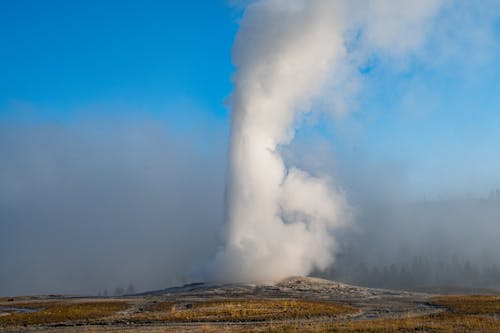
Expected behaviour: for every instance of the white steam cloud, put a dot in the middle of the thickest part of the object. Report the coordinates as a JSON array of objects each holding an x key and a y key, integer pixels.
[{"x": 290, "y": 55}]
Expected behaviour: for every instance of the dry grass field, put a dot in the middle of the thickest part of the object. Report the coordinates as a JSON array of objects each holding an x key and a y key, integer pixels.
[
  {"x": 460, "y": 314},
  {"x": 344, "y": 310},
  {"x": 241, "y": 311},
  {"x": 60, "y": 312}
]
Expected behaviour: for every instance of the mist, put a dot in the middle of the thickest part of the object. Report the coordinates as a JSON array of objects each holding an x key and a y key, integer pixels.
[
  {"x": 300, "y": 59},
  {"x": 88, "y": 207},
  {"x": 406, "y": 241},
  {"x": 289, "y": 55},
  {"x": 106, "y": 202},
  {"x": 296, "y": 182}
]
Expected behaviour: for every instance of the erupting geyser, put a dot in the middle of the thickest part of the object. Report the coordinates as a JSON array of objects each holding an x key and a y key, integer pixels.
[{"x": 281, "y": 220}]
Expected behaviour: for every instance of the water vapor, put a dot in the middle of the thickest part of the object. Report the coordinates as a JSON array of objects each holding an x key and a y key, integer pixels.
[
  {"x": 331, "y": 171},
  {"x": 281, "y": 220},
  {"x": 104, "y": 203}
]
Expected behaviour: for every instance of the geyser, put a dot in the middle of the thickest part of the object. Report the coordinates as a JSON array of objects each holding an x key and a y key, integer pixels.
[{"x": 281, "y": 221}]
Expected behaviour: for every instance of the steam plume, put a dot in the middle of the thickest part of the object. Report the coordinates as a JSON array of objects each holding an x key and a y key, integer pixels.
[{"x": 281, "y": 220}]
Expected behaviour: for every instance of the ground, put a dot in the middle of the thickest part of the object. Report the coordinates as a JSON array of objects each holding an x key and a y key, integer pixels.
[{"x": 294, "y": 305}]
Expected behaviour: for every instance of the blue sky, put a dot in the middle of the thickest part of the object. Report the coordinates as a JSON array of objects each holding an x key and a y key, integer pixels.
[
  {"x": 62, "y": 61},
  {"x": 59, "y": 56},
  {"x": 113, "y": 126}
]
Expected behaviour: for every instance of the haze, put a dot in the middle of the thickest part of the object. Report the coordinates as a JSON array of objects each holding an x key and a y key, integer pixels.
[{"x": 136, "y": 149}]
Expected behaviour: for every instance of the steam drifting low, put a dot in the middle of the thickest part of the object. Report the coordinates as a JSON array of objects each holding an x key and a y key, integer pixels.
[
  {"x": 99, "y": 190},
  {"x": 293, "y": 57}
]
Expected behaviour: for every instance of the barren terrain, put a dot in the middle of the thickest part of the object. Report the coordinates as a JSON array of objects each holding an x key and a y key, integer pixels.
[{"x": 294, "y": 305}]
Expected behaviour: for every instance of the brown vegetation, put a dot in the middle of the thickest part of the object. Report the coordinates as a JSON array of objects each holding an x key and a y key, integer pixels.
[
  {"x": 61, "y": 311},
  {"x": 458, "y": 314},
  {"x": 471, "y": 305},
  {"x": 241, "y": 310}
]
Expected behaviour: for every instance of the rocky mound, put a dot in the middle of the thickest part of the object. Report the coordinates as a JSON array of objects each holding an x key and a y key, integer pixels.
[{"x": 293, "y": 287}]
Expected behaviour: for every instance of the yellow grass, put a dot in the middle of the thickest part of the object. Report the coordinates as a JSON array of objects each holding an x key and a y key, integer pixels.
[
  {"x": 459, "y": 314},
  {"x": 241, "y": 310},
  {"x": 61, "y": 311},
  {"x": 471, "y": 304},
  {"x": 462, "y": 314}
]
